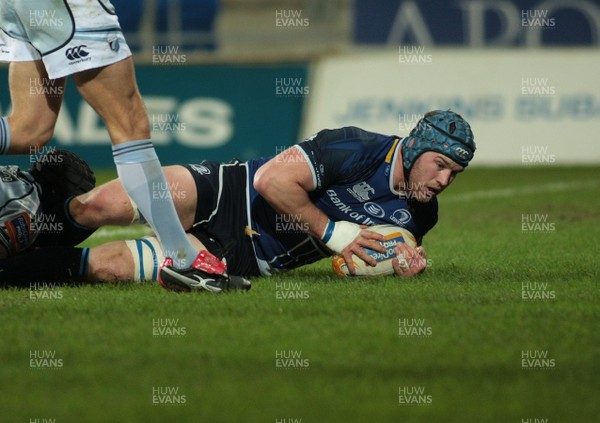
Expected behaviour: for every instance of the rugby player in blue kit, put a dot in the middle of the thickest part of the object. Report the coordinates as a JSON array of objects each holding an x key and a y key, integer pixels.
[{"x": 332, "y": 186}]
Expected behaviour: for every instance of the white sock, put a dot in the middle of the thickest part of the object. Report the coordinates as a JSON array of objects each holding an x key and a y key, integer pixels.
[{"x": 142, "y": 176}]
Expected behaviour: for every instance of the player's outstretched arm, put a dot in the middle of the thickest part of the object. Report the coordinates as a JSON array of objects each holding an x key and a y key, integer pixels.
[
  {"x": 109, "y": 204},
  {"x": 285, "y": 181}
]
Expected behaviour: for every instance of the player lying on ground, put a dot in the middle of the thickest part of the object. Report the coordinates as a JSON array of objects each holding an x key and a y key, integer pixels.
[
  {"x": 46, "y": 41},
  {"x": 327, "y": 186}
]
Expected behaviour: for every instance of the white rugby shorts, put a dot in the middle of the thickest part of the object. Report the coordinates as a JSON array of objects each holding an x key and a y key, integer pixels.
[{"x": 69, "y": 36}]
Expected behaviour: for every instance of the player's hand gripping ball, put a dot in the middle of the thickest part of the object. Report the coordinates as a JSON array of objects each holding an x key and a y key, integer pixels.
[{"x": 394, "y": 235}]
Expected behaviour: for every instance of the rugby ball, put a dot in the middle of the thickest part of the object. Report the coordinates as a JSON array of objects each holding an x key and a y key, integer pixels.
[{"x": 394, "y": 235}]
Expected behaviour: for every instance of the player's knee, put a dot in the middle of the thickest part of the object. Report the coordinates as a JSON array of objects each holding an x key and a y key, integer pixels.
[{"x": 91, "y": 213}]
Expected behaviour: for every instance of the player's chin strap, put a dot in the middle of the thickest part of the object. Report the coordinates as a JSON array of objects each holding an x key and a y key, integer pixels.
[
  {"x": 338, "y": 235},
  {"x": 405, "y": 189}
]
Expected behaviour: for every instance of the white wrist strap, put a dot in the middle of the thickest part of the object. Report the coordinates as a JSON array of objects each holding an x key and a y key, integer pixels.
[{"x": 338, "y": 235}]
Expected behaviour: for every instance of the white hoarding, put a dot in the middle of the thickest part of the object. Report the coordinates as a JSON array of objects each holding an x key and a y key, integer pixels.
[{"x": 525, "y": 106}]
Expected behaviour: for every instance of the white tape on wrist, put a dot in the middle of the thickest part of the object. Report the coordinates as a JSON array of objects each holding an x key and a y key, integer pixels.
[{"x": 338, "y": 235}]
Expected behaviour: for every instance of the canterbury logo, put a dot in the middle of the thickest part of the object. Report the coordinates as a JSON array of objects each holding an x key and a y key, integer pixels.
[
  {"x": 462, "y": 153},
  {"x": 76, "y": 52}
]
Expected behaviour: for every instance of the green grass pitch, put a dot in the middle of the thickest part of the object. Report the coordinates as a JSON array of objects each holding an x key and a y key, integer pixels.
[{"x": 503, "y": 327}]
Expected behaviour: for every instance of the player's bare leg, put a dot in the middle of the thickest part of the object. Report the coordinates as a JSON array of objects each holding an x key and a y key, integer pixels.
[
  {"x": 112, "y": 91},
  {"x": 109, "y": 204},
  {"x": 36, "y": 101},
  {"x": 116, "y": 262},
  {"x": 134, "y": 260}
]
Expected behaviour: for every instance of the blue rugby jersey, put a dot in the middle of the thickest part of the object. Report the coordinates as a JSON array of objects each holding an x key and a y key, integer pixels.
[{"x": 353, "y": 177}]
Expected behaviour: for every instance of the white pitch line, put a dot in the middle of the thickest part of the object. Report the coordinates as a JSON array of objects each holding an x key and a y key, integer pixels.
[{"x": 528, "y": 189}]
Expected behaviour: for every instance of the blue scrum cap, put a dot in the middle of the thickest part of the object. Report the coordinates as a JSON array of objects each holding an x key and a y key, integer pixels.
[{"x": 445, "y": 132}]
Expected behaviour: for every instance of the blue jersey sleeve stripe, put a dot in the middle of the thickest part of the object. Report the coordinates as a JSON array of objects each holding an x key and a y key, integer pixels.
[{"x": 310, "y": 165}]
